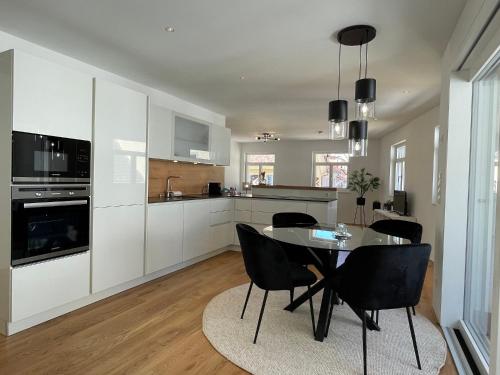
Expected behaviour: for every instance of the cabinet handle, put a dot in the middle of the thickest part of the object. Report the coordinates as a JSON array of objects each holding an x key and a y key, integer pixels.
[{"x": 55, "y": 204}]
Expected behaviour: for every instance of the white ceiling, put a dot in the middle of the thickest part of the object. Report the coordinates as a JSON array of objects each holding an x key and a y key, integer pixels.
[{"x": 283, "y": 48}]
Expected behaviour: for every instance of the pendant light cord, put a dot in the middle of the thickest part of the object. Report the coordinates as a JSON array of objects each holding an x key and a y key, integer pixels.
[
  {"x": 366, "y": 60},
  {"x": 338, "y": 80},
  {"x": 360, "y": 46}
]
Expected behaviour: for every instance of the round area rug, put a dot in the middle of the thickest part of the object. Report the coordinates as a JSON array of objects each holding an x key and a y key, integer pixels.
[{"x": 286, "y": 345}]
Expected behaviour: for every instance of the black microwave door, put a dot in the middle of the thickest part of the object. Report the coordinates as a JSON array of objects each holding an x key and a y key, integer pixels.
[
  {"x": 43, "y": 232},
  {"x": 36, "y": 155}
]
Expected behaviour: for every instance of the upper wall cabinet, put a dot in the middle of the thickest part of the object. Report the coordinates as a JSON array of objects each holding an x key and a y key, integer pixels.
[
  {"x": 49, "y": 98},
  {"x": 160, "y": 132},
  {"x": 220, "y": 145},
  {"x": 120, "y": 119},
  {"x": 191, "y": 139}
]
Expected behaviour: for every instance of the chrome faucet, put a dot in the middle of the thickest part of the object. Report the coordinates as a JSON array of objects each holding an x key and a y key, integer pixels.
[{"x": 169, "y": 186}]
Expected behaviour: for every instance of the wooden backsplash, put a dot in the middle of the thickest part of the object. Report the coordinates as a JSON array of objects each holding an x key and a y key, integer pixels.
[{"x": 193, "y": 176}]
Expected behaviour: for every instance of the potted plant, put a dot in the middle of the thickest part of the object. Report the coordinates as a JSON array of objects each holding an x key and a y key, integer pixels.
[{"x": 361, "y": 182}]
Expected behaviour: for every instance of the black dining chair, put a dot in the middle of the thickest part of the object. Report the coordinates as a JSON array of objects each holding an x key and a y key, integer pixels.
[
  {"x": 296, "y": 254},
  {"x": 400, "y": 228},
  {"x": 268, "y": 267},
  {"x": 381, "y": 278}
]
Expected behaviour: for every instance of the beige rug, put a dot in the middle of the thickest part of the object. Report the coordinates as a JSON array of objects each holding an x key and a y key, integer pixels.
[{"x": 286, "y": 345}]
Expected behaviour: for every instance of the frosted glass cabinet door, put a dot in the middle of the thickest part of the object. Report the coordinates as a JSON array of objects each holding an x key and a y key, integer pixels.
[
  {"x": 117, "y": 246},
  {"x": 119, "y": 145},
  {"x": 51, "y": 99},
  {"x": 160, "y": 132},
  {"x": 191, "y": 139}
]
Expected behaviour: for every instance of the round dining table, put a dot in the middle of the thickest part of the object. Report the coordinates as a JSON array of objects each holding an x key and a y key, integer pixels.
[{"x": 329, "y": 249}]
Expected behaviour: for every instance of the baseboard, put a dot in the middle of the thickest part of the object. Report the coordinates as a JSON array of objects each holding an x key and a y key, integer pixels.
[{"x": 10, "y": 328}]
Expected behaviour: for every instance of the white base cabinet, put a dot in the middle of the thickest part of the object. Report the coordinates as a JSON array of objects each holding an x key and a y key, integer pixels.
[
  {"x": 196, "y": 239},
  {"x": 164, "y": 236},
  {"x": 118, "y": 246},
  {"x": 43, "y": 286}
]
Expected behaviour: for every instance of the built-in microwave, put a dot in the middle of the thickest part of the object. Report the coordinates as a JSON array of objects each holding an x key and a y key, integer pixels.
[
  {"x": 49, "y": 221},
  {"x": 45, "y": 159}
]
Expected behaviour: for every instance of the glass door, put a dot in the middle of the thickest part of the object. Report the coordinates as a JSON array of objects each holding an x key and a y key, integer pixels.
[{"x": 481, "y": 234}]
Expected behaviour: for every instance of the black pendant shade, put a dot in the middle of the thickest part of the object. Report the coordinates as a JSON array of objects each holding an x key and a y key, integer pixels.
[
  {"x": 366, "y": 90},
  {"x": 337, "y": 111},
  {"x": 358, "y": 129}
]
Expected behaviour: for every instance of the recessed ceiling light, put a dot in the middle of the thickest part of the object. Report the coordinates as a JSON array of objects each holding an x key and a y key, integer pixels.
[
  {"x": 406, "y": 91},
  {"x": 243, "y": 78},
  {"x": 169, "y": 29}
]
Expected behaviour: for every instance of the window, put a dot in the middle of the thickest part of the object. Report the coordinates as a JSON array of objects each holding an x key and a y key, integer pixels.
[
  {"x": 481, "y": 218},
  {"x": 330, "y": 170},
  {"x": 259, "y": 168},
  {"x": 398, "y": 164},
  {"x": 436, "y": 180}
]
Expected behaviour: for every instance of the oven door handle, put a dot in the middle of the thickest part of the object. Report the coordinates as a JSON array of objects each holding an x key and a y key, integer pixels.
[{"x": 55, "y": 204}]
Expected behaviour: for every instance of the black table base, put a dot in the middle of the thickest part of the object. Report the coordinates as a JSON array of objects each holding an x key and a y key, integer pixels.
[{"x": 328, "y": 293}]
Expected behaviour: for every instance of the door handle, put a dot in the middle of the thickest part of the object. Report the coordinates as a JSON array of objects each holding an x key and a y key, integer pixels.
[{"x": 55, "y": 204}]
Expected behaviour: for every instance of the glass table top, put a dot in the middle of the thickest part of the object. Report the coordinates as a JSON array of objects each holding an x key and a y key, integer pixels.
[{"x": 320, "y": 237}]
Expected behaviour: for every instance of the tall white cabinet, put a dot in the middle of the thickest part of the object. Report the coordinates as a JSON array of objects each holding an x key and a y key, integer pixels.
[
  {"x": 220, "y": 144},
  {"x": 50, "y": 99},
  {"x": 120, "y": 122}
]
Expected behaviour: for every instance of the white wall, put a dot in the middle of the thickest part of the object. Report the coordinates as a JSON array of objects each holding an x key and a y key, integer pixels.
[
  {"x": 294, "y": 161},
  {"x": 419, "y": 136},
  {"x": 8, "y": 41}
]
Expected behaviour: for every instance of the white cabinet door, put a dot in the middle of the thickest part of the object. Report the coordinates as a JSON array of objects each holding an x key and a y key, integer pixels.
[
  {"x": 220, "y": 145},
  {"x": 51, "y": 99},
  {"x": 119, "y": 145},
  {"x": 164, "y": 236},
  {"x": 43, "y": 286},
  {"x": 324, "y": 212},
  {"x": 118, "y": 246},
  {"x": 160, "y": 134},
  {"x": 221, "y": 236},
  {"x": 277, "y": 205},
  {"x": 196, "y": 239}
]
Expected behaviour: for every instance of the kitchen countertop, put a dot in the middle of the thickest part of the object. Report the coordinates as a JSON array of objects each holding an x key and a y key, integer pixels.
[{"x": 153, "y": 200}]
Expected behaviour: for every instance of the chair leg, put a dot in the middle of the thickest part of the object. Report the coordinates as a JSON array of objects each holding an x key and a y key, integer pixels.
[
  {"x": 312, "y": 309},
  {"x": 260, "y": 316},
  {"x": 291, "y": 294},
  {"x": 364, "y": 341},
  {"x": 246, "y": 299},
  {"x": 376, "y": 316},
  {"x": 372, "y": 314},
  {"x": 330, "y": 318},
  {"x": 410, "y": 322},
  {"x": 413, "y": 308}
]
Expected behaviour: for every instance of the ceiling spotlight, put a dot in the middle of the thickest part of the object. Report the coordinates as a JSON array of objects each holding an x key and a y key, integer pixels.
[
  {"x": 169, "y": 29},
  {"x": 265, "y": 137},
  {"x": 243, "y": 78},
  {"x": 406, "y": 91}
]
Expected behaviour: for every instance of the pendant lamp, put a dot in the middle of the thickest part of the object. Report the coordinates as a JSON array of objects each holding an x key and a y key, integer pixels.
[
  {"x": 337, "y": 112},
  {"x": 358, "y": 138}
]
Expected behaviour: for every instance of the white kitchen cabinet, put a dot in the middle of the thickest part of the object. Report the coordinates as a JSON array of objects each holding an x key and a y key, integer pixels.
[
  {"x": 221, "y": 204},
  {"x": 164, "y": 235},
  {"x": 118, "y": 246},
  {"x": 119, "y": 145},
  {"x": 243, "y": 204},
  {"x": 221, "y": 235},
  {"x": 323, "y": 212},
  {"x": 220, "y": 145},
  {"x": 277, "y": 205},
  {"x": 196, "y": 239},
  {"x": 48, "y": 98},
  {"x": 43, "y": 286},
  {"x": 160, "y": 132}
]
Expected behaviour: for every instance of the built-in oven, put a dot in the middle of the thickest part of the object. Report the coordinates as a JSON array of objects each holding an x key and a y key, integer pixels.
[
  {"x": 49, "y": 221},
  {"x": 45, "y": 159}
]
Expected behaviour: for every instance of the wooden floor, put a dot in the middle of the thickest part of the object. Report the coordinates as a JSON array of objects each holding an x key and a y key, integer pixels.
[{"x": 152, "y": 329}]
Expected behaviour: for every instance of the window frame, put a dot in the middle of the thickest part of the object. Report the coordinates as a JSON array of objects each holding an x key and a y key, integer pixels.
[
  {"x": 260, "y": 165},
  {"x": 394, "y": 161},
  {"x": 330, "y": 165}
]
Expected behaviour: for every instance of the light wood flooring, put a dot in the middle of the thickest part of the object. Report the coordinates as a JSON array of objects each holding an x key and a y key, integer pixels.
[{"x": 152, "y": 329}]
